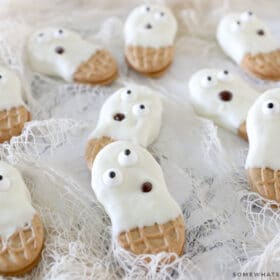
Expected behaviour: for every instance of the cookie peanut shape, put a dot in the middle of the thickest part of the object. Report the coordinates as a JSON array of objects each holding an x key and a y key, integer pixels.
[
  {"x": 149, "y": 33},
  {"x": 63, "y": 53},
  {"x": 129, "y": 183},
  {"x": 263, "y": 160},
  {"x": 21, "y": 229},
  {"x": 13, "y": 111},
  {"x": 132, "y": 113},
  {"x": 223, "y": 97},
  {"x": 248, "y": 41}
]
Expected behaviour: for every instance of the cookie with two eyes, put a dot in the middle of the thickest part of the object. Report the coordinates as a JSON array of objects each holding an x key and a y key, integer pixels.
[
  {"x": 149, "y": 34},
  {"x": 132, "y": 113},
  {"x": 21, "y": 229},
  {"x": 263, "y": 160},
  {"x": 65, "y": 54},
  {"x": 248, "y": 41},
  {"x": 222, "y": 97},
  {"x": 13, "y": 111},
  {"x": 129, "y": 183}
]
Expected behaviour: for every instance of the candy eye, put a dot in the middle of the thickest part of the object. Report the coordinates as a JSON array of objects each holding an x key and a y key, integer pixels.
[
  {"x": 127, "y": 158},
  {"x": 145, "y": 9},
  {"x": 4, "y": 184},
  {"x": 224, "y": 75},
  {"x": 112, "y": 178},
  {"x": 59, "y": 33},
  {"x": 140, "y": 110},
  {"x": 271, "y": 107},
  {"x": 246, "y": 16},
  {"x": 160, "y": 15},
  {"x": 208, "y": 81},
  {"x": 128, "y": 95},
  {"x": 235, "y": 26}
]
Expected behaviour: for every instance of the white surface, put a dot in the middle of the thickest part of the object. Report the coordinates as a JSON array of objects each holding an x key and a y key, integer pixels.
[
  {"x": 204, "y": 95},
  {"x": 141, "y": 126},
  {"x": 44, "y": 58},
  {"x": 237, "y": 35},
  {"x": 16, "y": 208},
  {"x": 263, "y": 125},
  {"x": 122, "y": 197},
  {"x": 10, "y": 89},
  {"x": 203, "y": 166},
  {"x": 150, "y": 26}
]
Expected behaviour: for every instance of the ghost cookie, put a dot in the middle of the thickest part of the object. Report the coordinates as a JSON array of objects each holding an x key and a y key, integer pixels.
[
  {"x": 149, "y": 33},
  {"x": 249, "y": 42},
  {"x": 63, "y": 53},
  {"x": 222, "y": 97},
  {"x": 132, "y": 113},
  {"x": 13, "y": 112},
  {"x": 129, "y": 183},
  {"x": 21, "y": 229},
  {"x": 263, "y": 160}
]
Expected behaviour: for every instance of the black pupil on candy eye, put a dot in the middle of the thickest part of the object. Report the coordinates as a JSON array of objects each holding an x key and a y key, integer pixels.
[
  {"x": 59, "y": 50},
  {"x": 260, "y": 32},
  {"x": 142, "y": 106},
  {"x": 147, "y": 9},
  {"x": 119, "y": 117},
  {"x": 238, "y": 22},
  {"x": 1, "y": 177},
  {"x": 209, "y": 78},
  {"x": 0, "y": 77},
  {"x": 112, "y": 174},
  {"x": 226, "y": 72},
  {"x": 60, "y": 31},
  {"x": 162, "y": 14},
  {"x": 147, "y": 187},
  {"x": 127, "y": 152},
  {"x": 148, "y": 26},
  {"x": 270, "y": 105},
  {"x": 41, "y": 34},
  {"x": 129, "y": 91},
  {"x": 250, "y": 13}
]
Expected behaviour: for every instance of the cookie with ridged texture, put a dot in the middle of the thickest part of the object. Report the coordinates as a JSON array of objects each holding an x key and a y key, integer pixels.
[
  {"x": 248, "y": 41},
  {"x": 12, "y": 122},
  {"x": 94, "y": 146},
  {"x": 149, "y": 39},
  {"x": 21, "y": 229},
  {"x": 65, "y": 54},
  {"x": 129, "y": 183}
]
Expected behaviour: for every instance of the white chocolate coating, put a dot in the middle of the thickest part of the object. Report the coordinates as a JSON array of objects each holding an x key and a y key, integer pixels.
[
  {"x": 150, "y": 26},
  {"x": 238, "y": 35},
  {"x": 263, "y": 128},
  {"x": 16, "y": 210},
  {"x": 141, "y": 126},
  {"x": 123, "y": 199},
  {"x": 10, "y": 89},
  {"x": 205, "y": 97},
  {"x": 44, "y": 59}
]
